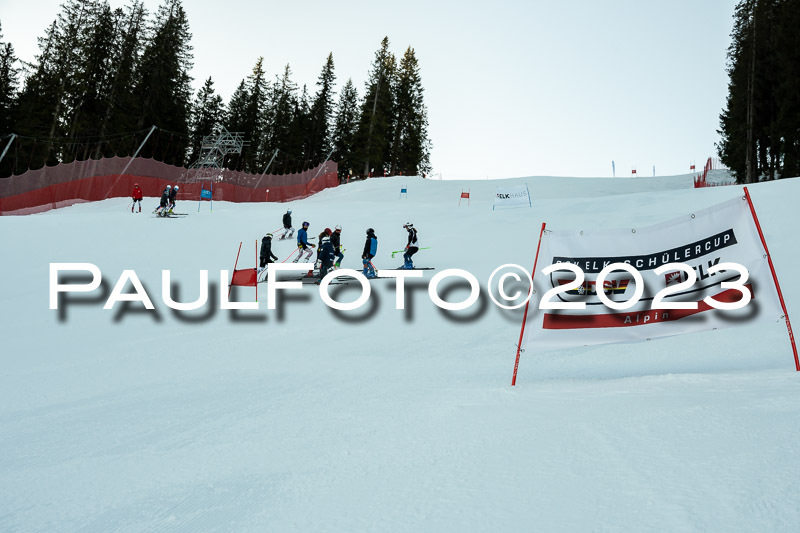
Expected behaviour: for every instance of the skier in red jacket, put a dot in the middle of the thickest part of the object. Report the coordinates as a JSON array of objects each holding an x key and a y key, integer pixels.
[{"x": 137, "y": 197}]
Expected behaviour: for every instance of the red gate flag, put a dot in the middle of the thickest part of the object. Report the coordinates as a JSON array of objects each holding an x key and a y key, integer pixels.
[
  {"x": 724, "y": 233},
  {"x": 246, "y": 277}
]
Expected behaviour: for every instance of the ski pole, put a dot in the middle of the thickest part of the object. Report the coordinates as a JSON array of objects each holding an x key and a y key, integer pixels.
[
  {"x": 402, "y": 251},
  {"x": 290, "y": 255}
]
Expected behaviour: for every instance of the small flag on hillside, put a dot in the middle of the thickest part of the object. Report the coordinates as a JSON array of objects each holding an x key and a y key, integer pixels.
[{"x": 206, "y": 194}]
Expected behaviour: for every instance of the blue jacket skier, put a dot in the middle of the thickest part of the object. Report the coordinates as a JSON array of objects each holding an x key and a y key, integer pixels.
[
  {"x": 302, "y": 244},
  {"x": 370, "y": 249}
]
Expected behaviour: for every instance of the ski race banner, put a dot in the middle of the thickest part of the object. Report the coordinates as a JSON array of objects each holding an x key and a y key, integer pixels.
[
  {"x": 705, "y": 270},
  {"x": 512, "y": 197}
]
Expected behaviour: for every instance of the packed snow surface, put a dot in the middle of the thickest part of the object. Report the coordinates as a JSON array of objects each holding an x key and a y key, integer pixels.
[{"x": 306, "y": 419}]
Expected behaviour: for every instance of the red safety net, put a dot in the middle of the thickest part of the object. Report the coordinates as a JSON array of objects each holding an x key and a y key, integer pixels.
[{"x": 62, "y": 185}]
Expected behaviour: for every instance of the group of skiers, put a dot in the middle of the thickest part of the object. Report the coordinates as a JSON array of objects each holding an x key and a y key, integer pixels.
[
  {"x": 329, "y": 252},
  {"x": 166, "y": 205}
]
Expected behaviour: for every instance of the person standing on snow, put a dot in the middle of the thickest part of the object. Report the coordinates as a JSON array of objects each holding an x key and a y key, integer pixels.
[
  {"x": 288, "y": 230},
  {"x": 266, "y": 254},
  {"x": 325, "y": 233},
  {"x": 137, "y": 197},
  {"x": 326, "y": 257},
  {"x": 172, "y": 196},
  {"x": 370, "y": 249},
  {"x": 302, "y": 244},
  {"x": 412, "y": 246},
  {"x": 161, "y": 210},
  {"x": 336, "y": 237}
]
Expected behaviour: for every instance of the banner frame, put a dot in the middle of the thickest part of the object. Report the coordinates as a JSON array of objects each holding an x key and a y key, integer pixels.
[{"x": 774, "y": 277}]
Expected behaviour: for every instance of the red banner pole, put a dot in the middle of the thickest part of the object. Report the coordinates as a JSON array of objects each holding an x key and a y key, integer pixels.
[
  {"x": 230, "y": 285},
  {"x": 525, "y": 315},
  {"x": 256, "y": 269},
  {"x": 774, "y": 277}
]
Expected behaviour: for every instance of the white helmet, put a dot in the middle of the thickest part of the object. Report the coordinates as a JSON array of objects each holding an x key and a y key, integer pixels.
[
  {"x": 408, "y": 225},
  {"x": 338, "y": 228},
  {"x": 176, "y": 187},
  {"x": 169, "y": 186}
]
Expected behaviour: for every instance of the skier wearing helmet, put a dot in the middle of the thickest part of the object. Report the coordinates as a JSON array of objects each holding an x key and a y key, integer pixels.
[
  {"x": 287, "y": 225},
  {"x": 266, "y": 256},
  {"x": 326, "y": 257},
  {"x": 161, "y": 210},
  {"x": 137, "y": 197},
  {"x": 412, "y": 246},
  {"x": 172, "y": 196},
  {"x": 325, "y": 233},
  {"x": 370, "y": 249},
  {"x": 336, "y": 241},
  {"x": 302, "y": 244}
]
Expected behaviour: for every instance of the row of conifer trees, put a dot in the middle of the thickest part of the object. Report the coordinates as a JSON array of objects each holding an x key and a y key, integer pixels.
[{"x": 104, "y": 76}]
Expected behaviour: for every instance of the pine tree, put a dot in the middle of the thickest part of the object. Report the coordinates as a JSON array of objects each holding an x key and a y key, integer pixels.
[
  {"x": 298, "y": 147},
  {"x": 345, "y": 129},
  {"x": 207, "y": 115},
  {"x": 787, "y": 46},
  {"x": 9, "y": 81},
  {"x": 252, "y": 121},
  {"x": 376, "y": 124},
  {"x": 410, "y": 145},
  {"x": 37, "y": 104},
  {"x": 121, "y": 107},
  {"x": 162, "y": 85},
  {"x": 752, "y": 142},
  {"x": 91, "y": 82},
  {"x": 235, "y": 120},
  {"x": 279, "y": 115},
  {"x": 733, "y": 120},
  {"x": 321, "y": 114}
]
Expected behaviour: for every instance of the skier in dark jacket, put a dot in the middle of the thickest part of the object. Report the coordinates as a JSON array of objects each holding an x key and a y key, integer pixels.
[
  {"x": 370, "y": 249},
  {"x": 336, "y": 241},
  {"x": 412, "y": 246},
  {"x": 137, "y": 197},
  {"x": 266, "y": 254},
  {"x": 325, "y": 233},
  {"x": 162, "y": 207},
  {"x": 172, "y": 196},
  {"x": 326, "y": 256},
  {"x": 288, "y": 230}
]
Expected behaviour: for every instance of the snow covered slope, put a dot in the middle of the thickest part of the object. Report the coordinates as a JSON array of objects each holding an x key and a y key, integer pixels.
[{"x": 306, "y": 419}]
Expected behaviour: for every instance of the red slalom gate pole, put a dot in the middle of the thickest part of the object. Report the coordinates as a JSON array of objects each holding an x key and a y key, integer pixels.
[
  {"x": 525, "y": 315},
  {"x": 256, "y": 269},
  {"x": 230, "y": 285},
  {"x": 774, "y": 277}
]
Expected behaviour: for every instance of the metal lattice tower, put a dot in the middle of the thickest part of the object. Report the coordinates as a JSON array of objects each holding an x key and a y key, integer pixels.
[{"x": 213, "y": 150}]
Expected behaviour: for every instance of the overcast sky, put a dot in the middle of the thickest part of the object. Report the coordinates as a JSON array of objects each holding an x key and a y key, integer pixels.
[{"x": 513, "y": 88}]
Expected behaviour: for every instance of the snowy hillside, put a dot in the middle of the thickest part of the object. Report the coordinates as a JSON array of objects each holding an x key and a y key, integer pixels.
[{"x": 306, "y": 419}]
